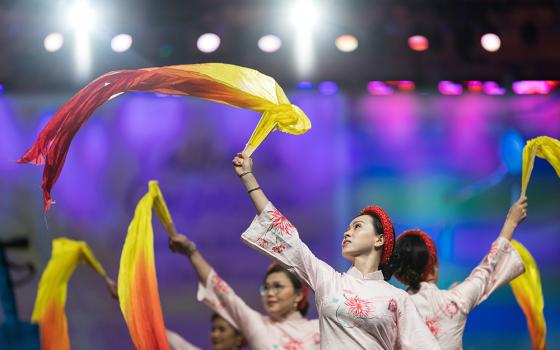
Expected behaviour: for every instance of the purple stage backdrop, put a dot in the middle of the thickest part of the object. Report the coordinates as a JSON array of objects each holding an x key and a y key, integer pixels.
[{"x": 448, "y": 165}]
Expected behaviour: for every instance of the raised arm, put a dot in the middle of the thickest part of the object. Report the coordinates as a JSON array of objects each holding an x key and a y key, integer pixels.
[
  {"x": 517, "y": 213},
  {"x": 179, "y": 243},
  {"x": 501, "y": 265},
  {"x": 244, "y": 169}
]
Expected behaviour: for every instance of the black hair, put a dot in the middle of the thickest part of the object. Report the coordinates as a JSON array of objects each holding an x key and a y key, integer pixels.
[
  {"x": 412, "y": 256},
  {"x": 216, "y": 316},
  {"x": 296, "y": 283}
]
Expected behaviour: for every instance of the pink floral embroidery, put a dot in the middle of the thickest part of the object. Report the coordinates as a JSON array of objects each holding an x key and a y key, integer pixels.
[
  {"x": 358, "y": 307},
  {"x": 263, "y": 243},
  {"x": 220, "y": 285},
  {"x": 317, "y": 338},
  {"x": 280, "y": 222},
  {"x": 451, "y": 309},
  {"x": 392, "y": 305},
  {"x": 293, "y": 345},
  {"x": 432, "y": 326},
  {"x": 279, "y": 249},
  {"x": 493, "y": 252}
]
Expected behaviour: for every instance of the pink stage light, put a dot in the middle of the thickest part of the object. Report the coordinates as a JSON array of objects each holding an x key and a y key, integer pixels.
[
  {"x": 492, "y": 88},
  {"x": 474, "y": 86},
  {"x": 449, "y": 88},
  {"x": 418, "y": 43},
  {"x": 532, "y": 87},
  {"x": 379, "y": 88}
]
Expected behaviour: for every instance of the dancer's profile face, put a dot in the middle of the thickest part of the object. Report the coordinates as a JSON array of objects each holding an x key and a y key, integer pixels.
[
  {"x": 279, "y": 296},
  {"x": 360, "y": 238},
  {"x": 223, "y": 336}
]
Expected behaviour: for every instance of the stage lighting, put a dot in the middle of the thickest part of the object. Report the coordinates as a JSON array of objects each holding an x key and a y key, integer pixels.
[
  {"x": 492, "y": 88},
  {"x": 270, "y": 43},
  {"x": 304, "y": 13},
  {"x": 379, "y": 88},
  {"x": 81, "y": 15},
  {"x": 532, "y": 87},
  {"x": 418, "y": 43},
  {"x": 121, "y": 42},
  {"x": 328, "y": 88},
  {"x": 346, "y": 43},
  {"x": 449, "y": 88},
  {"x": 490, "y": 42},
  {"x": 53, "y": 42},
  {"x": 208, "y": 42}
]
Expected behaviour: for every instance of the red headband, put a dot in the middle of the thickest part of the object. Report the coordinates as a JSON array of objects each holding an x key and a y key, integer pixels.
[
  {"x": 304, "y": 290},
  {"x": 388, "y": 231},
  {"x": 431, "y": 249}
]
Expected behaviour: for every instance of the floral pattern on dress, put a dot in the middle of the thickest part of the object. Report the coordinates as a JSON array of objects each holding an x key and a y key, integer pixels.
[
  {"x": 293, "y": 344},
  {"x": 281, "y": 223},
  {"x": 263, "y": 243},
  {"x": 279, "y": 249},
  {"x": 220, "y": 285},
  {"x": 392, "y": 305},
  {"x": 432, "y": 326},
  {"x": 451, "y": 309}
]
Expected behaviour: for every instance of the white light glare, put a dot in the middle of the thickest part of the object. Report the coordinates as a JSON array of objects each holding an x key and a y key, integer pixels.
[
  {"x": 121, "y": 42},
  {"x": 270, "y": 43},
  {"x": 346, "y": 43},
  {"x": 53, "y": 42},
  {"x": 304, "y": 13},
  {"x": 208, "y": 42},
  {"x": 490, "y": 42},
  {"x": 81, "y": 15}
]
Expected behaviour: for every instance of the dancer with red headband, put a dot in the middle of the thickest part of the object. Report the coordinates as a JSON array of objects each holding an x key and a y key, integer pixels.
[
  {"x": 357, "y": 309},
  {"x": 445, "y": 311},
  {"x": 284, "y": 298}
]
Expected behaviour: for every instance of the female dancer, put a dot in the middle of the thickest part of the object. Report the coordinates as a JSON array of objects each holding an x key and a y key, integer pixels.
[
  {"x": 357, "y": 309},
  {"x": 284, "y": 298},
  {"x": 445, "y": 311},
  {"x": 223, "y": 337}
]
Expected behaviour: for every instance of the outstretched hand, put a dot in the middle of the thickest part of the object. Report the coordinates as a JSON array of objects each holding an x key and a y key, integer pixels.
[
  {"x": 518, "y": 211},
  {"x": 179, "y": 243},
  {"x": 242, "y": 164}
]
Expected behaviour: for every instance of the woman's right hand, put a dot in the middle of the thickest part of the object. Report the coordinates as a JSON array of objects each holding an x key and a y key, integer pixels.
[
  {"x": 242, "y": 164},
  {"x": 179, "y": 243},
  {"x": 518, "y": 211}
]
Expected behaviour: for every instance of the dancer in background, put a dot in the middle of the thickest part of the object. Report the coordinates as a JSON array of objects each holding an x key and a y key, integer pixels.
[
  {"x": 359, "y": 308},
  {"x": 284, "y": 299},
  {"x": 445, "y": 311}
]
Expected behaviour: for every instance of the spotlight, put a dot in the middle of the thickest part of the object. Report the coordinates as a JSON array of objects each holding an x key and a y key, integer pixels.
[
  {"x": 418, "y": 43},
  {"x": 449, "y": 88},
  {"x": 121, "y": 42},
  {"x": 379, "y": 88},
  {"x": 490, "y": 42},
  {"x": 492, "y": 88},
  {"x": 532, "y": 87},
  {"x": 346, "y": 43},
  {"x": 53, "y": 42},
  {"x": 304, "y": 13},
  {"x": 208, "y": 42},
  {"x": 81, "y": 15},
  {"x": 270, "y": 43}
]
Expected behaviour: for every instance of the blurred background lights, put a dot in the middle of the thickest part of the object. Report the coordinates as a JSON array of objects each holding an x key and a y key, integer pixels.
[
  {"x": 346, "y": 43},
  {"x": 418, "y": 43},
  {"x": 270, "y": 43},
  {"x": 208, "y": 42},
  {"x": 490, "y": 42},
  {"x": 121, "y": 42},
  {"x": 53, "y": 42}
]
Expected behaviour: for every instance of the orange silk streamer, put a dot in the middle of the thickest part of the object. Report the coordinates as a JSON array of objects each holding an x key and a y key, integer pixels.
[
  {"x": 527, "y": 290},
  {"x": 224, "y": 83},
  {"x": 137, "y": 284},
  {"x": 51, "y": 294}
]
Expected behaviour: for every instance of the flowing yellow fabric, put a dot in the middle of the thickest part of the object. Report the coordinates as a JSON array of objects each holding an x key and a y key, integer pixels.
[
  {"x": 137, "y": 284},
  {"x": 224, "y": 83},
  {"x": 51, "y": 294},
  {"x": 544, "y": 147},
  {"x": 527, "y": 290}
]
